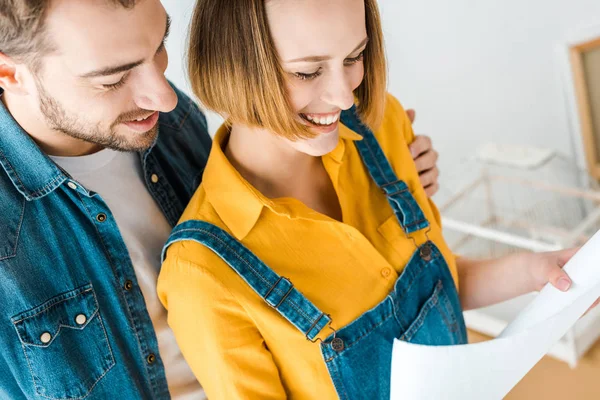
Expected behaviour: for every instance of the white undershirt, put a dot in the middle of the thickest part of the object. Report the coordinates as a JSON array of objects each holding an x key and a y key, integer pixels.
[{"x": 117, "y": 177}]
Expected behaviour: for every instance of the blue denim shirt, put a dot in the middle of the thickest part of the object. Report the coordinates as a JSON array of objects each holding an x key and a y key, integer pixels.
[{"x": 73, "y": 322}]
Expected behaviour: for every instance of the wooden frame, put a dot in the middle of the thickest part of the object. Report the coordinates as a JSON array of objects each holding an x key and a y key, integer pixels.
[{"x": 585, "y": 57}]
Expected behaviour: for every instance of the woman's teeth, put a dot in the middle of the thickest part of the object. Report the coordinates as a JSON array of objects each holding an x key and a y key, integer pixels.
[{"x": 322, "y": 120}]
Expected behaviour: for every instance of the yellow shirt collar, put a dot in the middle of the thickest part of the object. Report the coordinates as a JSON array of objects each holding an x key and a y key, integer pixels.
[{"x": 236, "y": 201}]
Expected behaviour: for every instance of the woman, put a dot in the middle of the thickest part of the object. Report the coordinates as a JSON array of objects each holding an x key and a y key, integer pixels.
[{"x": 311, "y": 245}]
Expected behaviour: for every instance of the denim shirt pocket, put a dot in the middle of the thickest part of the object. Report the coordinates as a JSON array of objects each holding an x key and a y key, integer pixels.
[{"x": 65, "y": 344}]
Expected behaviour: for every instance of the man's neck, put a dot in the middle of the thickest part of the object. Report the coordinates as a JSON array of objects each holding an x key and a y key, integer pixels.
[{"x": 50, "y": 141}]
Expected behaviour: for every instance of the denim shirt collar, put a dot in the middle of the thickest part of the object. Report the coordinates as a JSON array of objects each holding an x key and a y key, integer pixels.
[{"x": 31, "y": 171}]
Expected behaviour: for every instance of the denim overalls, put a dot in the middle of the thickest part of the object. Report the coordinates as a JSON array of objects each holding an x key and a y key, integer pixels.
[{"x": 423, "y": 307}]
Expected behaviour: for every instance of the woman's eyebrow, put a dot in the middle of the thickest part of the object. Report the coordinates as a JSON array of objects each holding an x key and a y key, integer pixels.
[{"x": 325, "y": 58}]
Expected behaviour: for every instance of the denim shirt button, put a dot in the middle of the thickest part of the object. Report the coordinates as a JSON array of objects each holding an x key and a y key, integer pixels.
[
  {"x": 81, "y": 319},
  {"x": 72, "y": 185},
  {"x": 151, "y": 358},
  {"x": 128, "y": 285},
  {"x": 101, "y": 217},
  {"x": 46, "y": 337}
]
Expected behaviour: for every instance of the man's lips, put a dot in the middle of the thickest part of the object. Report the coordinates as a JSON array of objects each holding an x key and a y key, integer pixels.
[{"x": 143, "y": 124}]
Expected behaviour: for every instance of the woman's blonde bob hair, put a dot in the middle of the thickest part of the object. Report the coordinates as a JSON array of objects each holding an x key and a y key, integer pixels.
[{"x": 235, "y": 71}]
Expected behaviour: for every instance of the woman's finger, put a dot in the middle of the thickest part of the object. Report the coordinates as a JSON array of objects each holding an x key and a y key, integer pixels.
[
  {"x": 558, "y": 278},
  {"x": 429, "y": 177},
  {"x": 432, "y": 189}
]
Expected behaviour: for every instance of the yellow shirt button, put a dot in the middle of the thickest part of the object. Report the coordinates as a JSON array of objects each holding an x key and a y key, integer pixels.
[{"x": 386, "y": 272}]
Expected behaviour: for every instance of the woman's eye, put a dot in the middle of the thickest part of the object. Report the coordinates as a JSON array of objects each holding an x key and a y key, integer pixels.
[
  {"x": 354, "y": 60},
  {"x": 305, "y": 77},
  {"x": 349, "y": 61}
]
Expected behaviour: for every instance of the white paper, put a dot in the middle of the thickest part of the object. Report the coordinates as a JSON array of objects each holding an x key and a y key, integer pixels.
[{"x": 489, "y": 370}]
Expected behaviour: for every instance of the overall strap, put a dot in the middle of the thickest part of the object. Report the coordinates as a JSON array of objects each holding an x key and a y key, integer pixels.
[
  {"x": 407, "y": 210},
  {"x": 276, "y": 290}
]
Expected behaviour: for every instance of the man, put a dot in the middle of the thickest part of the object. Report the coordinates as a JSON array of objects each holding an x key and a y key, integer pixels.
[{"x": 89, "y": 192}]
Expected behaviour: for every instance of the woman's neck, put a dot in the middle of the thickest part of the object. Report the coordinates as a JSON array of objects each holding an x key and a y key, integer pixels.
[
  {"x": 268, "y": 163},
  {"x": 277, "y": 170}
]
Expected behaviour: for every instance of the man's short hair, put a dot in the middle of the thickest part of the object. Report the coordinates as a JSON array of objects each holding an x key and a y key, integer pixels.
[{"x": 22, "y": 33}]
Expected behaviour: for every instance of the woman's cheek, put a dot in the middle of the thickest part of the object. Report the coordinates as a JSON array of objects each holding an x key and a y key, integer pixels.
[
  {"x": 357, "y": 74},
  {"x": 302, "y": 94}
]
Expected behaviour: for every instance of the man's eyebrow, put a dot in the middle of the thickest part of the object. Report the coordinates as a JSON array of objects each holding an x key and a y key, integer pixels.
[
  {"x": 126, "y": 67},
  {"x": 325, "y": 58},
  {"x": 112, "y": 70}
]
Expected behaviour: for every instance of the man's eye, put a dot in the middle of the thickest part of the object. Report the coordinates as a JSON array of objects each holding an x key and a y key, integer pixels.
[
  {"x": 305, "y": 77},
  {"x": 161, "y": 48},
  {"x": 116, "y": 85}
]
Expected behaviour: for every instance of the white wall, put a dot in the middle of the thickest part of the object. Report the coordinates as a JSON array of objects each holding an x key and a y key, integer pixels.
[
  {"x": 475, "y": 70},
  {"x": 482, "y": 71},
  {"x": 181, "y": 13}
]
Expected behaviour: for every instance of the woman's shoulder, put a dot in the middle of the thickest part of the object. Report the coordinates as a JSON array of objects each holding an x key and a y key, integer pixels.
[
  {"x": 395, "y": 134},
  {"x": 395, "y": 125},
  {"x": 193, "y": 252},
  {"x": 191, "y": 267}
]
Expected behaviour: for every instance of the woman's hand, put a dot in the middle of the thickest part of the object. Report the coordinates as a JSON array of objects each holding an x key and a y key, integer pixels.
[
  {"x": 548, "y": 268},
  {"x": 486, "y": 282}
]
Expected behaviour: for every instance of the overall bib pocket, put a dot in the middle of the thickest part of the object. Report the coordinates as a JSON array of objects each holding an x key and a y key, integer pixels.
[{"x": 436, "y": 324}]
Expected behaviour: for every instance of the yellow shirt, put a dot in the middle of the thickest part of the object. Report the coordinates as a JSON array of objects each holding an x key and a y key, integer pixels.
[{"x": 237, "y": 345}]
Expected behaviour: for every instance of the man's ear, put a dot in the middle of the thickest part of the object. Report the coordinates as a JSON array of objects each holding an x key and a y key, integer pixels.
[{"x": 11, "y": 74}]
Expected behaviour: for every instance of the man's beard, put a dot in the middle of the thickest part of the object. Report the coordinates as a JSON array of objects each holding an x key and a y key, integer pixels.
[{"x": 59, "y": 120}]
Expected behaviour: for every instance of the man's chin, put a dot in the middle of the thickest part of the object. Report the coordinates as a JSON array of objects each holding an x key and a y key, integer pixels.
[{"x": 127, "y": 141}]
